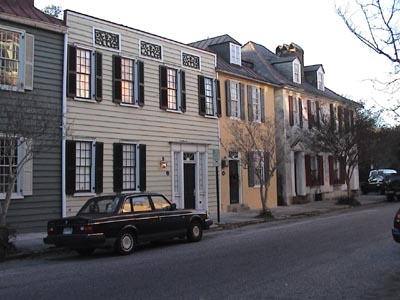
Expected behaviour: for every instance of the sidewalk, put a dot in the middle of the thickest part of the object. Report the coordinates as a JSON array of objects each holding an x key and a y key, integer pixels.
[{"x": 32, "y": 243}]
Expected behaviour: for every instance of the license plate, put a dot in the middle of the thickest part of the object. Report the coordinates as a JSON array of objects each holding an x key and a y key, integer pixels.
[{"x": 67, "y": 230}]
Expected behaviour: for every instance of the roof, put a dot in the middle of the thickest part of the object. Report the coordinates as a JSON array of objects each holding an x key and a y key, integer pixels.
[
  {"x": 313, "y": 68},
  {"x": 204, "y": 44},
  {"x": 25, "y": 9}
]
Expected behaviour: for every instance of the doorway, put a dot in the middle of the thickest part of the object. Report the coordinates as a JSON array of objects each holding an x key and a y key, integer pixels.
[
  {"x": 234, "y": 181},
  {"x": 189, "y": 185}
]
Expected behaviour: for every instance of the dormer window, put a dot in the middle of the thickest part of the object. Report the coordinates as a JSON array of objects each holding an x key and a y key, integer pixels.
[
  {"x": 320, "y": 79},
  {"x": 296, "y": 71},
  {"x": 235, "y": 54}
]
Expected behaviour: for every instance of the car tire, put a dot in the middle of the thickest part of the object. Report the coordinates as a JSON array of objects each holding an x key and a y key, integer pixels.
[
  {"x": 195, "y": 232},
  {"x": 390, "y": 198},
  {"x": 85, "y": 251},
  {"x": 126, "y": 242}
]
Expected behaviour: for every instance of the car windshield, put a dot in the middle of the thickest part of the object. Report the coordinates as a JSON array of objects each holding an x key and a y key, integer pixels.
[{"x": 100, "y": 205}]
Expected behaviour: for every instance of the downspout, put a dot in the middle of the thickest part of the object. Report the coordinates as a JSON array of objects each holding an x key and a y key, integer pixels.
[{"x": 64, "y": 128}]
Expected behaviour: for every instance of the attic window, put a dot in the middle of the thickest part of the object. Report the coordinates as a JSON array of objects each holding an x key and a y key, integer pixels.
[
  {"x": 235, "y": 54},
  {"x": 320, "y": 80},
  {"x": 296, "y": 71}
]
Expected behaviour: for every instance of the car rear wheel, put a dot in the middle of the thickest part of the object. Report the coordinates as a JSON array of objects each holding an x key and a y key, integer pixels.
[
  {"x": 85, "y": 251},
  {"x": 126, "y": 242},
  {"x": 390, "y": 198},
  {"x": 195, "y": 232}
]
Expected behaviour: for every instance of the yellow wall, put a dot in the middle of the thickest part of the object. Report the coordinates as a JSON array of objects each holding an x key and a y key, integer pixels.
[{"x": 249, "y": 195}]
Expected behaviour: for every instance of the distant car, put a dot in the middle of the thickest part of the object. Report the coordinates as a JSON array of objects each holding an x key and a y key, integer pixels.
[
  {"x": 123, "y": 221},
  {"x": 376, "y": 181},
  {"x": 392, "y": 187},
  {"x": 396, "y": 227}
]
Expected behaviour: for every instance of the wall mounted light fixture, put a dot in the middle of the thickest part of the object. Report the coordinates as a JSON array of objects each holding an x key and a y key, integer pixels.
[{"x": 163, "y": 163}]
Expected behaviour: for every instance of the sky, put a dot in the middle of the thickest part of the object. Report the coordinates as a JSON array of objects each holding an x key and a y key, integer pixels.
[{"x": 312, "y": 24}]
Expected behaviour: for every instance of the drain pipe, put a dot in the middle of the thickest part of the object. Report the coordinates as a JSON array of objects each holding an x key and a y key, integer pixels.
[{"x": 64, "y": 128}]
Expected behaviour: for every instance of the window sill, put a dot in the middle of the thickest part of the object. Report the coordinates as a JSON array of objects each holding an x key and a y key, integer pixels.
[
  {"x": 13, "y": 196},
  {"x": 129, "y": 105},
  {"x": 210, "y": 117},
  {"x": 174, "y": 111},
  {"x": 10, "y": 88},
  {"x": 83, "y": 194},
  {"x": 84, "y": 100}
]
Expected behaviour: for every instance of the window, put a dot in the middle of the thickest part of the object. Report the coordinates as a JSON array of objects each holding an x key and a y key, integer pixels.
[
  {"x": 258, "y": 168},
  {"x": 255, "y": 97},
  {"x": 128, "y": 81},
  {"x": 295, "y": 112},
  {"x": 313, "y": 110},
  {"x": 12, "y": 152},
  {"x": 160, "y": 203},
  {"x": 314, "y": 170},
  {"x": 320, "y": 80},
  {"x": 235, "y": 99},
  {"x": 337, "y": 171},
  {"x": 172, "y": 89},
  {"x": 209, "y": 96},
  {"x": 84, "y": 167},
  {"x": 84, "y": 73},
  {"x": 235, "y": 54},
  {"x": 296, "y": 71},
  {"x": 141, "y": 203},
  {"x": 129, "y": 167},
  {"x": 16, "y": 59}
]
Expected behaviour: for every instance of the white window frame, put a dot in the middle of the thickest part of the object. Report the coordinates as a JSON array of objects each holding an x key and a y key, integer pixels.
[
  {"x": 92, "y": 74},
  {"x": 256, "y": 102},
  {"x": 91, "y": 189},
  {"x": 235, "y": 54},
  {"x": 136, "y": 167},
  {"x": 296, "y": 71},
  {"x": 314, "y": 168},
  {"x": 320, "y": 80},
  {"x": 235, "y": 102},
  {"x": 257, "y": 157}
]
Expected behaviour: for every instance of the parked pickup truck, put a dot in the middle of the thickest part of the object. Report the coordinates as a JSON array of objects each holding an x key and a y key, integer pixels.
[
  {"x": 376, "y": 181},
  {"x": 392, "y": 187}
]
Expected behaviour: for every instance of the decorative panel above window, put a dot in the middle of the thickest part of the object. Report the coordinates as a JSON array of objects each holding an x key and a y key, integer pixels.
[
  {"x": 150, "y": 50},
  {"x": 106, "y": 39},
  {"x": 191, "y": 61}
]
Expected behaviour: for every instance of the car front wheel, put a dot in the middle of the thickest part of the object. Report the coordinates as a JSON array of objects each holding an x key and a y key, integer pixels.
[
  {"x": 126, "y": 242},
  {"x": 195, "y": 232}
]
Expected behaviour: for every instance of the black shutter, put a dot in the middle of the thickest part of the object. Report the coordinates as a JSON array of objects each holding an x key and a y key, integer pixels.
[
  {"x": 71, "y": 89},
  {"x": 98, "y": 188},
  {"x": 99, "y": 77},
  {"x": 218, "y": 97},
  {"x": 117, "y": 84},
  {"x": 251, "y": 169},
  {"x": 228, "y": 97},
  {"x": 142, "y": 167},
  {"x": 266, "y": 168},
  {"x": 291, "y": 116},
  {"x": 202, "y": 96},
  {"x": 163, "y": 88},
  {"x": 70, "y": 167},
  {"x": 250, "y": 102},
  {"x": 262, "y": 105},
  {"x": 140, "y": 66},
  {"x": 242, "y": 112},
  {"x": 183, "y": 91},
  {"x": 301, "y": 112},
  {"x": 117, "y": 167}
]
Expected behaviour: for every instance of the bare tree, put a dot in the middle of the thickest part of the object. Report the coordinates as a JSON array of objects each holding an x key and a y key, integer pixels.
[
  {"x": 344, "y": 139},
  {"x": 257, "y": 145},
  {"x": 376, "y": 23},
  {"x": 29, "y": 125},
  {"x": 53, "y": 10}
]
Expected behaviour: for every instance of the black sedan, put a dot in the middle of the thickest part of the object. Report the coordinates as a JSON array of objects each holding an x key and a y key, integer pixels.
[{"x": 123, "y": 221}]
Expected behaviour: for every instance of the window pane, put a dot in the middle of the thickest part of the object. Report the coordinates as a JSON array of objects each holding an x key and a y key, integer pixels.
[
  {"x": 172, "y": 89},
  {"x": 83, "y": 166},
  {"x": 235, "y": 100},
  {"x": 127, "y": 80},
  {"x": 256, "y": 104},
  {"x": 129, "y": 167},
  {"x": 209, "y": 96},
  {"x": 9, "y": 57},
  {"x": 83, "y": 69},
  {"x": 8, "y": 157},
  {"x": 160, "y": 202}
]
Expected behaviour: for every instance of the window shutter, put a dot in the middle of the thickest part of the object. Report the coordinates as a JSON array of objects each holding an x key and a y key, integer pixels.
[
  {"x": 98, "y": 188},
  {"x": 218, "y": 97},
  {"x": 266, "y": 167},
  {"x": 352, "y": 121},
  {"x": 242, "y": 111},
  {"x": 140, "y": 84},
  {"x": 99, "y": 77},
  {"x": 163, "y": 88},
  {"x": 71, "y": 82},
  {"x": 70, "y": 167},
  {"x": 251, "y": 169},
  {"x": 202, "y": 95},
  {"x": 340, "y": 119},
  {"x": 307, "y": 161},
  {"x": 142, "y": 166},
  {"x": 301, "y": 112},
  {"x": 342, "y": 172},
  {"x": 321, "y": 169},
  {"x": 331, "y": 170},
  {"x": 346, "y": 119},
  {"x": 262, "y": 105},
  {"x": 117, "y": 167},
  {"x": 183, "y": 91},
  {"x": 291, "y": 117},
  {"x": 27, "y": 173},
  {"x": 317, "y": 112},
  {"x": 309, "y": 114},
  {"x": 228, "y": 97},
  {"x": 332, "y": 116},
  {"x": 117, "y": 77},
  {"x": 250, "y": 102},
  {"x": 29, "y": 59}
]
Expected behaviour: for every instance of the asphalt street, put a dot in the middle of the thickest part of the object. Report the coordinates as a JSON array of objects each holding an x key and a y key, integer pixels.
[{"x": 343, "y": 255}]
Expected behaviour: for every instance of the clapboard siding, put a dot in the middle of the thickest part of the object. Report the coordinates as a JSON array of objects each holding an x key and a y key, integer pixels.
[
  {"x": 32, "y": 212},
  {"x": 109, "y": 123}
]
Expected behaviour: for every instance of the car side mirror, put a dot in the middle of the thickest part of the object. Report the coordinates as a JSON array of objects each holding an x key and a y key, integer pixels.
[{"x": 173, "y": 206}]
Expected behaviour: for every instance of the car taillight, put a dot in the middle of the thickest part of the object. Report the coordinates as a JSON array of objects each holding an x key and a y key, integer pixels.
[
  {"x": 50, "y": 230},
  {"x": 86, "y": 229}
]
